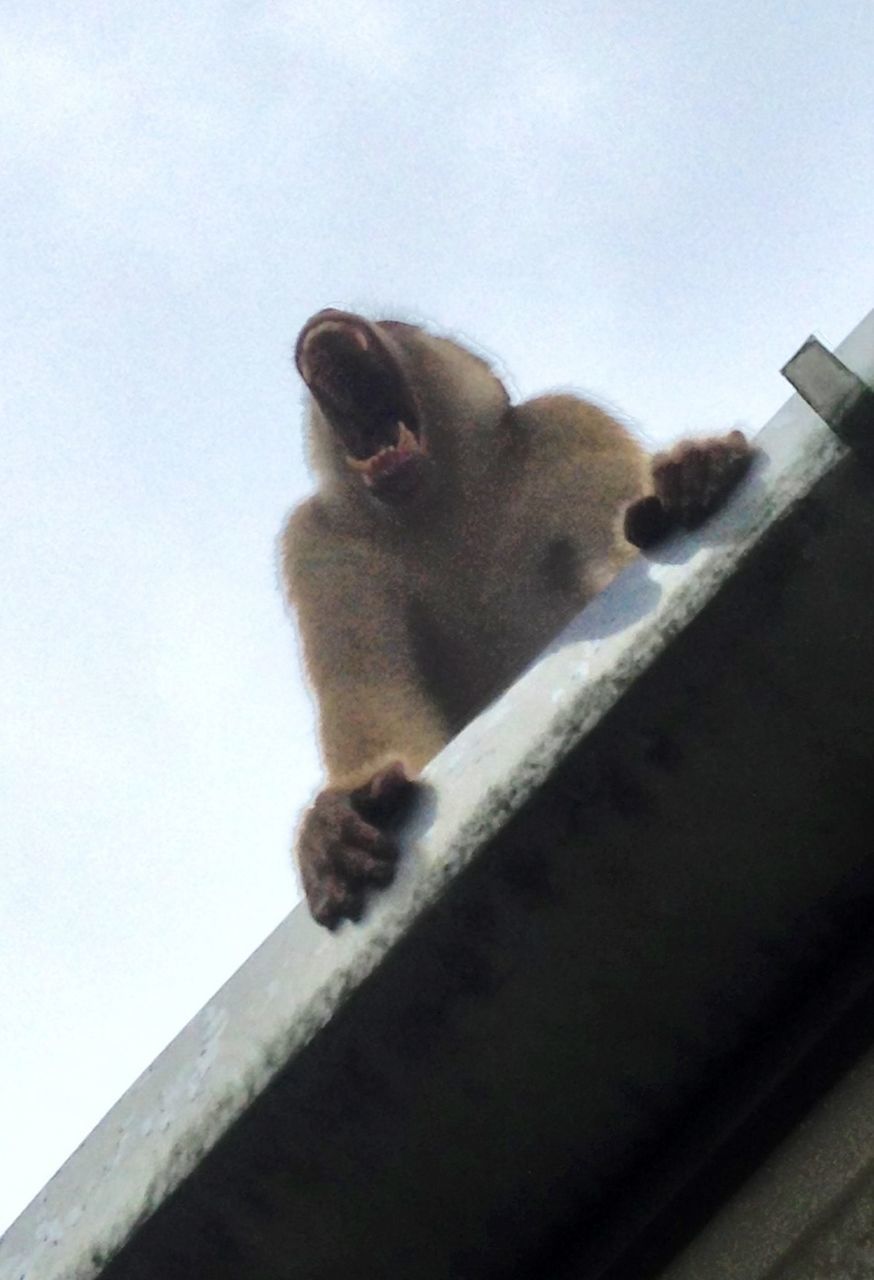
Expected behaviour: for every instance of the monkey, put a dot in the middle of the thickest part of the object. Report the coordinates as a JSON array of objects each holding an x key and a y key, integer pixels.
[{"x": 452, "y": 535}]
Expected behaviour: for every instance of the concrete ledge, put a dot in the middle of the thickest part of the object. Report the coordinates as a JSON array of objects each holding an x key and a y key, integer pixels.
[
  {"x": 808, "y": 1212},
  {"x": 637, "y": 896}
]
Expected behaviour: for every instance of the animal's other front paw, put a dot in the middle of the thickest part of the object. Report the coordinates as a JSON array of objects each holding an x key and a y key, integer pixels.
[
  {"x": 690, "y": 482},
  {"x": 343, "y": 850}
]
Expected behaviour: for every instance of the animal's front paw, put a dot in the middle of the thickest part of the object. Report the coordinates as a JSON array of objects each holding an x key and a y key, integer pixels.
[
  {"x": 689, "y": 482},
  {"x": 342, "y": 848}
]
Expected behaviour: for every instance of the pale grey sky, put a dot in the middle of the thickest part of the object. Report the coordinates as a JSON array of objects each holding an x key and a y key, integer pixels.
[{"x": 655, "y": 202}]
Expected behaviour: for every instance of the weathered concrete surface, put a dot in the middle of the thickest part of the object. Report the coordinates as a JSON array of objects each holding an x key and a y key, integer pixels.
[
  {"x": 808, "y": 1212},
  {"x": 671, "y": 816}
]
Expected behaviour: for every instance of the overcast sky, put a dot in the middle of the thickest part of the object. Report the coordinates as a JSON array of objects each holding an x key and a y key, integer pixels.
[{"x": 651, "y": 200}]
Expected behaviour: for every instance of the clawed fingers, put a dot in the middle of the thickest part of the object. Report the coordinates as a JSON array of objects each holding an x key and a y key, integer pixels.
[
  {"x": 689, "y": 482},
  {"x": 356, "y": 830},
  {"x": 342, "y": 855},
  {"x": 694, "y": 477},
  {"x": 331, "y": 901},
  {"x": 646, "y": 522},
  {"x": 338, "y": 894},
  {"x": 364, "y": 867},
  {"x": 364, "y": 853},
  {"x": 385, "y": 795},
  {"x": 681, "y": 482}
]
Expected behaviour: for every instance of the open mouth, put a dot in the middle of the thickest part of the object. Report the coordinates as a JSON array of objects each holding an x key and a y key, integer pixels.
[{"x": 356, "y": 375}]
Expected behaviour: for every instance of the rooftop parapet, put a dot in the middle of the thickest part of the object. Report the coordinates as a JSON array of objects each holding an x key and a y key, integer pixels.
[{"x": 630, "y": 939}]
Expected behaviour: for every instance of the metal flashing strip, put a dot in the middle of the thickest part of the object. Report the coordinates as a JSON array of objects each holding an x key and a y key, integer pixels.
[
  {"x": 835, "y": 393},
  {"x": 200, "y": 1107}
]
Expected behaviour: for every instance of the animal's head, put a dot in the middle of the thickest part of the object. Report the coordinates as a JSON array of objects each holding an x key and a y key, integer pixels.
[{"x": 397, "y": 413}]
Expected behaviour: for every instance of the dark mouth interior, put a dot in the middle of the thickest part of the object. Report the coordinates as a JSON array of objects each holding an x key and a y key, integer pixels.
[{"x": 360, "y": 386}]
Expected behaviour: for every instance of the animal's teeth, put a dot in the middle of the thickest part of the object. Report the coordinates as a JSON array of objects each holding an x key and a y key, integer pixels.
[
  {"x": 358, "y": 464},
  {"x": 406, "y": 439},
  {"x": 405, "y": 443}
]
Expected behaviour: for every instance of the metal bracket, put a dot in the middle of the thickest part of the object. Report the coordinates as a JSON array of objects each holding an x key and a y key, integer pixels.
[{"x": 840, "y": 397}]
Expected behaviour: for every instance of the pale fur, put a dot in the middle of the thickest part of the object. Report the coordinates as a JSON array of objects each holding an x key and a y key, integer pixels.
[{"x": 414, "y": 616}]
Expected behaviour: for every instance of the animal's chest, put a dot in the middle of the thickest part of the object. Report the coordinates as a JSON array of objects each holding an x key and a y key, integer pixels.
[{"x": 480, "y": 615}]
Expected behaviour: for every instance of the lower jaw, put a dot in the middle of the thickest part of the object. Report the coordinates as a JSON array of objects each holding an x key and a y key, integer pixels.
[{"x": 396, "y": 486}]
